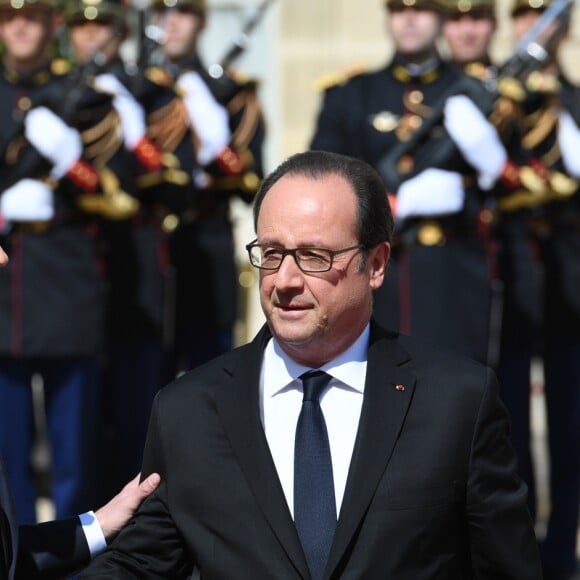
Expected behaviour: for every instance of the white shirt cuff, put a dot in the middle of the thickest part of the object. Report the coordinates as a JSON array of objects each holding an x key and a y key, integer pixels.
[{"x": 93, "y": 533}]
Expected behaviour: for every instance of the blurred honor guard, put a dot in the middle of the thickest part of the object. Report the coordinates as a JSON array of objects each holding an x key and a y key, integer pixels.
[
  {"x": 113, "y": 126},
  {"x": 438, "y": 287},
  {"x": 468, "y": 30},
  {"x": 51, "y": 292},
  {"x": 542, "y": 300},
  {"x": 223, "y": 118}
]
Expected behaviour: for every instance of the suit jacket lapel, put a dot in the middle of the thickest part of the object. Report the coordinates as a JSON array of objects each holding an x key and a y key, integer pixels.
[
  {"x": 383, "y": 413},
  {"x": 235, "y": 403}
]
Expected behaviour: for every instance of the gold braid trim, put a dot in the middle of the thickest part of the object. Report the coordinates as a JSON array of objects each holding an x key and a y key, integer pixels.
[
  {"x": 540, "y": 128},
  {"x": 248, "y": 124},
  {"x": 13, "y": 150},
  {"x": 103, "y": 140},
  {"x": 168, "y": 125},
  {"x": 552, "y": 156}
]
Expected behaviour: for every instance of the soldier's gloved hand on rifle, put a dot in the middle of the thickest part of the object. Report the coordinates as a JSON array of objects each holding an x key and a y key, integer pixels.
[
  {"x": 476, "y": 138},
  {"x": 28, "y": 200},
  {"x": 569, "y": 142},
  {"x": 132, "y": 118},
  {"x": 432, "y": 192},
  {"x": 131, "y": 113},
  {"x": 208, "y": 118},
  {"x": 53, "y": 139}
]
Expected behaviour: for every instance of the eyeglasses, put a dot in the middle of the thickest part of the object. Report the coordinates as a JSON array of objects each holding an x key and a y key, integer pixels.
[{"x": 309, "y": 260}]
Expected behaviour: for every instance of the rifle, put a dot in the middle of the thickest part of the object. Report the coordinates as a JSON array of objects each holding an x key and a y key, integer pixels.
[
  {"x": 149, "y": 38},
  {"x": 224, "y": 88},
  {"x": 430, "y": 145}
]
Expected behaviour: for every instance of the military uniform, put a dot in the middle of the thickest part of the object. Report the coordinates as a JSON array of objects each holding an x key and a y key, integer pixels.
[
  {"x": 135, "y": 254},
  {"x": 201, "y": 240},
  {"x": 51, "y": 310},
  {"x": 202, "y": 248},
  {"x": 437, "y": 285},
  {"x": 543, "y": 306}
]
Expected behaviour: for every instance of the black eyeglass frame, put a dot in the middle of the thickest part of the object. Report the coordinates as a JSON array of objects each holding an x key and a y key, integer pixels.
[{"x": 293, "y": 252}]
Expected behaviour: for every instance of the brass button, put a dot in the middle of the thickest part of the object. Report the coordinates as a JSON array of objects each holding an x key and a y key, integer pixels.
[
  {"x": 416, "y": 97},
  {"x": 415, "y": 121},
  {"x": 431, "y": 234},
  {"x": 385, "y": 122},
  {"x": 170, "y": 223},
  {"x": 24, "y": 103}
]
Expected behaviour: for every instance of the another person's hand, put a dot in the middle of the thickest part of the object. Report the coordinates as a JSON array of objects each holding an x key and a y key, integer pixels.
[
  {"x": 53, "y": 139},
  {"x": 131, "y": 113},
  {"x": 569, "y": 141},
  {"x": 113, "y": 516},
  {"x": 208, "y": 118},
  {"x": 28, "y": 200},
  {"x": 430, "y": 193},
  {"x": 476, "y": 138},
  {"x": 3, "y": 258}
]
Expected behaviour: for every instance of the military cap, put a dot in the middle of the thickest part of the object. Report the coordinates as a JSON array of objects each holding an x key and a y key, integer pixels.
[
  {"x": 469, "y": 6},
  {"x": 197, "y": 6},
  {"x": 438, "y": 5},
  {"x": 93, "y": 11},
  {"x": 525, "y": 5},
  {"x": 17, "y": 4}
]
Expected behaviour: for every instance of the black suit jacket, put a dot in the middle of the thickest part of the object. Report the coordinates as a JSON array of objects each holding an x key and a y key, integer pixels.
[
  {"x": 432, "y": 491},
  {"x": 45, "y": 551}
]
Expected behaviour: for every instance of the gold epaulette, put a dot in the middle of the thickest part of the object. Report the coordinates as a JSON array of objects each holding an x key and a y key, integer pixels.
[
  {"x": 540, "y": 82},
  {"x": 329, "y": 80},
  {"x": 243, "y": 79},
  {"x": 512, "y": 88},
  {"x": 60, "y": 66},
  {"x": 477, "y": 70},
  {"x": 159, "y": 76}
]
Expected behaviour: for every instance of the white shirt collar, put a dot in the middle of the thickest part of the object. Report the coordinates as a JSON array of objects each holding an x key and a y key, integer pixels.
[{"x": 349, "y": 367}]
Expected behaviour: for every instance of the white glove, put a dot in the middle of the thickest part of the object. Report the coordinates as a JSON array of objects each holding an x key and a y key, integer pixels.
[
  {"x": 476, "y": 138},
  {"x": 432, "y": 192},
  {"x": 131, "y": 113},
  {"x": 569, "y": 142},
  {"x": 208, "y": 118},
  {"x": 54, "y": 139},
  {"x": 29, "y": 200}
]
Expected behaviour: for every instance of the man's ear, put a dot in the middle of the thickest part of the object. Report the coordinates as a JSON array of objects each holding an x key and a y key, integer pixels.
[{"x": 379, "y": 259}]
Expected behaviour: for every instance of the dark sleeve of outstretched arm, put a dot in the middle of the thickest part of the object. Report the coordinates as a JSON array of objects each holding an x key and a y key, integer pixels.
[{"x": 51, "y": 550}]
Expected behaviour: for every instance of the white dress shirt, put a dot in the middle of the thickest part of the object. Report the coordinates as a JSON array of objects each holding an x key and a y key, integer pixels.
[{"x": 341, "y": 402}]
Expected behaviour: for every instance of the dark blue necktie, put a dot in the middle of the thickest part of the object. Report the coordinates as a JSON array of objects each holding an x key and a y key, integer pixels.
[{"x": 314, "y": 503}]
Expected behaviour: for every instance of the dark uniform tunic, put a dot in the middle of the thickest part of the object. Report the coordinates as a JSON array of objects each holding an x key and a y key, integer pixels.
[
  {"x": 202, "y": 245},
  {"x": 51, "y": 310},
  {"x": 136, "y": 259},
  {"x": 437, "y": 283},
  {"x": 540, "y": 224}
]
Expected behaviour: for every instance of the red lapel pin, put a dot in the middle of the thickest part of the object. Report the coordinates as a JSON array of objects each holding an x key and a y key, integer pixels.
[{"x": 400, "y": 387}]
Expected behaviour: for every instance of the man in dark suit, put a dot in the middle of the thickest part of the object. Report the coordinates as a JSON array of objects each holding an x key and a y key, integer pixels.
[
  {"x": 395, "y": 465},
  {"x": 59, "y": 548}
]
